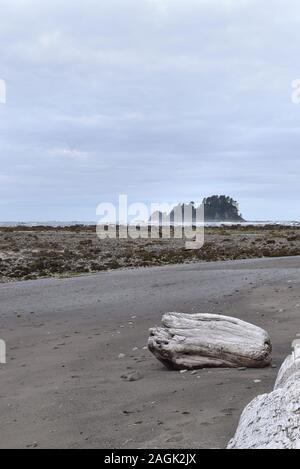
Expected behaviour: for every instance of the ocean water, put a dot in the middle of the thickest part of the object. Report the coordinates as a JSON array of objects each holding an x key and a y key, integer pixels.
[
  {"x": 90, "y": 223},
  {"x": 46, "y": 223}
]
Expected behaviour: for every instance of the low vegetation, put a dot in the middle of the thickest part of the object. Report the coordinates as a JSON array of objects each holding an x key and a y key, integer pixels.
[{"x": 31, "y": 253}]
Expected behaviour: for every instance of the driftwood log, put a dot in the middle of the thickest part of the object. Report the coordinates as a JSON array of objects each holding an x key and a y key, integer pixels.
[
  {"x": 272, "y": 421},
  {"x": 193, "y": 341}
]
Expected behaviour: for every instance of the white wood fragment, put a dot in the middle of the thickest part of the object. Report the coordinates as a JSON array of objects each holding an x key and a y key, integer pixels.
[
  {"x": 272, "y": 421},
  {"x": 194, "y": 341}
]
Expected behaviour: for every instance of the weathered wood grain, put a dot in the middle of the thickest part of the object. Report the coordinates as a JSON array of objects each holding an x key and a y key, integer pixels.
[
  {"x": 272, "y": 421},
  {"x": 193, "y": 341}
]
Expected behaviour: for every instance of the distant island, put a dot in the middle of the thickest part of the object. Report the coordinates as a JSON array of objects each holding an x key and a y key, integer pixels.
[
  {"x": 222, "y": 208},
  {"x": 217, "y": 208}
]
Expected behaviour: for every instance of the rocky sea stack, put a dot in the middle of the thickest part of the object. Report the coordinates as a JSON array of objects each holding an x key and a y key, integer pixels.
[{"x": 217, "y": 208}]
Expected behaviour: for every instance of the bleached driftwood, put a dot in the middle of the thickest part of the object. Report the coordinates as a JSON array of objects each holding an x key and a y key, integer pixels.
[
  {"x": 193, "y": 341},
  {"x": 272, "y": 421}
]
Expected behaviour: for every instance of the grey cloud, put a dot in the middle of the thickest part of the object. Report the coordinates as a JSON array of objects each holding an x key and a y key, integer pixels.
[{"x": 166, "y": 100}]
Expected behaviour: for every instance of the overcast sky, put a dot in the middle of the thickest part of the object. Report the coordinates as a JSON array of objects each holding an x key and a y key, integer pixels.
[{"x": 164, "y": 100}]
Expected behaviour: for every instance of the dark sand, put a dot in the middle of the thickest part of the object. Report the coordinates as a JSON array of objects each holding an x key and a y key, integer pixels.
[{"x": 62, "y": 385}]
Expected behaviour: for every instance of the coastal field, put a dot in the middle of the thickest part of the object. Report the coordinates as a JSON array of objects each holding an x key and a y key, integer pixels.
[
  {"x": 73, "y": 345},
  {"x": 28, "y": 253},
  {"x": 75, "y": 313}
]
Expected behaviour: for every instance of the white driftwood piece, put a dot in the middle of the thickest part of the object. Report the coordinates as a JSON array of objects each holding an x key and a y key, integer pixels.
[
  {"x": 272, "y": 421},
  {"x": 194, "y": 341}
]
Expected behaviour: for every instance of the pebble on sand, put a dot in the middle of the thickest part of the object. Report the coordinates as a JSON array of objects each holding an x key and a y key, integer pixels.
[{"x": 132, "y": 376}]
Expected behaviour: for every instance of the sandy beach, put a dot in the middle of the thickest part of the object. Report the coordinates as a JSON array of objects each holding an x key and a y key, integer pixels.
[
  {"x": 71, "y": 344},
  {"x": 149, "y": 165}
]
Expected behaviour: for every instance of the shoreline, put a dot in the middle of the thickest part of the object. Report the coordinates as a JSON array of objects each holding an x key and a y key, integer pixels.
[
  {"x": 43, "y": 252},
  {"x": 64, "y": 338},
  {"x": 138, "y": 270}
]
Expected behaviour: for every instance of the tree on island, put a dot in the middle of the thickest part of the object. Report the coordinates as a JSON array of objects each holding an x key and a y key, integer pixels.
[
  {"x": 222, "y": 208},
  {"x": 217, "y": 208}
]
